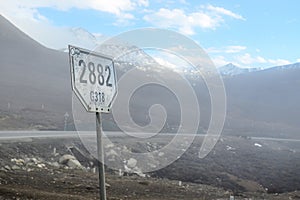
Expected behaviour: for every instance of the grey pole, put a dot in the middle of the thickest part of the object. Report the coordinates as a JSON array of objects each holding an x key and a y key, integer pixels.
[{"x": 101, "y": 169}]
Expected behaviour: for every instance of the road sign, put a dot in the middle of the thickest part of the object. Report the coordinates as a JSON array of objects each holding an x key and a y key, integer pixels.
[
  {"x": 94, "y": 83},
  {"x": 93, "y": 79}
]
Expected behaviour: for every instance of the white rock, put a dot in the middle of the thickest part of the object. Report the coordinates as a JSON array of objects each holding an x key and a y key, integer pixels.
[
  {"x": 15, "y": 167},
  {"x": 65, "y": 158},
  {"x": 54, "y": 164},
  {"x": 111, "y": 145},
  {"x": 74, "y": 164},
  {"x": 18, "y": 161},
  {"x": 111, "y": 153},
  {"x": 229, "y": 148},
  {"x": 257, "y": 145},
  {"x": 161, "y": 154},
  {"x": 120, "y": 172},
  {"x": 34, "y": 160},
  {"x": 41, "y": 165},
  {"x": 141, "y": 174},
  {"x": 131, "y": 163},
  {"x": 125, "y": 149},
  {"x": 152, "y": 165}
]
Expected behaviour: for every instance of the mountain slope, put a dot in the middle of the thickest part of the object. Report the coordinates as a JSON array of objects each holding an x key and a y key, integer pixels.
[
  {"x": 265, "y": 100},
  {"x": 31, "y": 75}
]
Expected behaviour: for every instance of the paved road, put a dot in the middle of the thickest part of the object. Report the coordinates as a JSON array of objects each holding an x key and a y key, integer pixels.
[
  {"x": 12, "y": 135},
  {"x": 275, "y": 139},
  {"x": 7, "y": 135}
]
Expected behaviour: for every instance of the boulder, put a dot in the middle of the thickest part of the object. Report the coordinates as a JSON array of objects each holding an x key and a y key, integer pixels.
[
  {"x": 6, "y": 167},
  {"x": 19, "y": 162},
  {"x": 54, "y": 164},
  {"x": 111, "y": 153},
  {"x": 74, "y": 164},
  {"x": 15, "y": 167},
  {"x": 65, "y": 158},
  {"x": 131, "y": 163},
  {"x": 41, "y": 165}
]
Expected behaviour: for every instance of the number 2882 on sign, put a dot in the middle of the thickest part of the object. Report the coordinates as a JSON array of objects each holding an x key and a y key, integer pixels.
[{"x": 93, "y": 79}]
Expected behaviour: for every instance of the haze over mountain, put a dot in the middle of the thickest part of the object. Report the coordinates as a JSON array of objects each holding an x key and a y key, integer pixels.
[
  {"x": 261, "y": 103},
  {"x": 267, "y": 98},
  {"x": 31, "y": 74}
]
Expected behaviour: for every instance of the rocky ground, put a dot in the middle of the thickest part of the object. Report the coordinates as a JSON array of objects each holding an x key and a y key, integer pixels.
[{"x": 61, "y": 169}]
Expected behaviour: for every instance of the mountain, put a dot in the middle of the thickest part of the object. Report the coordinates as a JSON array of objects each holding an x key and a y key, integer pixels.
[
  {"x": 285, "y": 67},
  {"x": 35, "y": 84},
  {"x": 265, "y": 101},
  {"x": 35, "y": 80},
  {"x": 32, "y": 76},
  {"x": 232, "y": 70},
  {"x": 78, "y": 37}
]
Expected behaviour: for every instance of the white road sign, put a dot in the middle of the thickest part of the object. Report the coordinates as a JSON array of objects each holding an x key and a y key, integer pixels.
[{"x": 93, "y": 79}]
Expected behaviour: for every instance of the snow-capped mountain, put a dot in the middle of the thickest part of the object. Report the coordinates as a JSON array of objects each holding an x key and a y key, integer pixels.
[
  {"x": 233, "y": 70},
  {"x": 82, "y": 38},
  {"x": 285, "y": 67}
]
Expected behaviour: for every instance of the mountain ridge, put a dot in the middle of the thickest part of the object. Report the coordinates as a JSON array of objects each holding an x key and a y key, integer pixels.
[
  {"x": 34, "y": 77},
  {"x": 232, "y": 70}
]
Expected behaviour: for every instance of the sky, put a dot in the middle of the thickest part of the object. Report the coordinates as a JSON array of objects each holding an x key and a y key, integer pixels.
[{"x": 246, "y": 33}]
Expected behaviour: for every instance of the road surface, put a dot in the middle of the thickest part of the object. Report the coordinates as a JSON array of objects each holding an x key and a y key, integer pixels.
[{"x": 13, "y": 135}]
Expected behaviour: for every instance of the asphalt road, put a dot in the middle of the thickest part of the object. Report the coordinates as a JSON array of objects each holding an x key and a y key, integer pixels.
[{"x": 13, "y": 135}]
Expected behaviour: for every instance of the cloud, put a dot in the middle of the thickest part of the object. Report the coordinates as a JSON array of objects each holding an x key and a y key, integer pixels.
[
  {"x": 176, "y": 18},
  {"x": 298, "y": 60},
  {"x": 208, "y": 17},
  {"x": 247, "y": 59},
  {"x": 26, "y": 16},
  {"x": 220, "y": 61},
  {"x": 223, "y": 11},
  {"x": 277, "y": 62},
  {"x": 40, "y": 29},
  {"x": 28, "y": 9},
  {"x": 116, "y": 7},
  {"x": 227, "y": 49}
]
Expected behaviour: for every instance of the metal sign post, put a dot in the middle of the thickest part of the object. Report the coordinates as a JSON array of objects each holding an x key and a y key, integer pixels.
[
  {"x": 101, "y": 167},
  {"x": 94, "y": 83}
]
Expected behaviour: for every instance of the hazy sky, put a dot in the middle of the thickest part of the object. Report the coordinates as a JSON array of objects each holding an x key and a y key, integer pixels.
[{"x": 247, "y": 33}]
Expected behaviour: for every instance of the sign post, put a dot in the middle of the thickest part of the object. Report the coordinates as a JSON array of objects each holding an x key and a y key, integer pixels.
[
  {"x": 101, "y": 167},
  {"x": 94, "y": 83}
]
